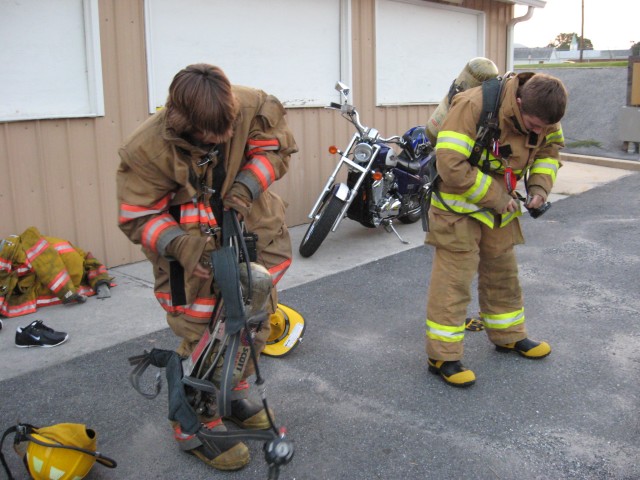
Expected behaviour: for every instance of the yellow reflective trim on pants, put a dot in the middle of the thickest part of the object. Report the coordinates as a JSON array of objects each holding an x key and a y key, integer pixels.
[
  {"x": 444, "y": 333},
  {"x": 504, "y": 320},
  {"x": 455, "y": 141}
]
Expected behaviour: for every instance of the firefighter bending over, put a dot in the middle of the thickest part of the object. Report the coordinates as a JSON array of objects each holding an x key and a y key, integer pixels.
[
  {"x": 473, "y": 220},
  {"x": 214, "y": 146}
]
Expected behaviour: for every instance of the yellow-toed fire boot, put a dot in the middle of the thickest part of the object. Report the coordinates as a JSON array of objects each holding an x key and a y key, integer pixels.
[
  {"x": 527, "y": 348},
  {"x": 452, "y": 372}
]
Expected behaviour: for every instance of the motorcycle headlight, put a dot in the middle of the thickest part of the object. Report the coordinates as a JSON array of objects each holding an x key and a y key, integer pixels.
[{"x": 362, "y": 152}]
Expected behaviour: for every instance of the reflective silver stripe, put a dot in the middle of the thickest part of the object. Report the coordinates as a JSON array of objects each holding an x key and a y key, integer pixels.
[
  {"x": 142, "y": 213},
  {"x": 458, "y": 204},
  {"x": 165, "y": 239},
  {"x": 497, "y": 323},
  {"x": 480, "y": 191},
  {"x": 445, "y": 333},
  {"x": 455, "y": 141},
  {"x": 249, "y": 180}
]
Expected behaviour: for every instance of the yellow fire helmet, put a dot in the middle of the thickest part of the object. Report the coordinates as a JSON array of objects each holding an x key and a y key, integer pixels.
[
  {"x": 66, "y": 451},
  {"x": 287, "y": 328}
]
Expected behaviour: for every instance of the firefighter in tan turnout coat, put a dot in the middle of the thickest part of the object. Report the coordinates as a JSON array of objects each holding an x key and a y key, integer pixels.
[
  {"x": 214, "y": 146},
  {"x": 474, "y": 218}
]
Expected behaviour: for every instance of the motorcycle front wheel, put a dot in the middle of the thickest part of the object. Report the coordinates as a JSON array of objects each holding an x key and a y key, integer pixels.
[
  {"x": 413, "y": 210},
  {"x": 321, "y": 224}
]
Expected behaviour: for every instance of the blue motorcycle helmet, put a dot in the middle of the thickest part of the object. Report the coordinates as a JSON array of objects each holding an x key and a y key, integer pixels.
[{"x": 416, "y": 138}]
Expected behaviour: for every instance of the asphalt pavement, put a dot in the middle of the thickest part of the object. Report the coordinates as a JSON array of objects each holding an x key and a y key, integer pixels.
[{"x": 356, "y": 396}]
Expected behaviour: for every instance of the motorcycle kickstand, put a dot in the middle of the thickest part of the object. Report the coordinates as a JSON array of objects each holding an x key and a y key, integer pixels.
[{"x": 388, "y": 226}]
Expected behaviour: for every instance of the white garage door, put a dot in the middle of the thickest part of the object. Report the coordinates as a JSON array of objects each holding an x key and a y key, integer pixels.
[
  {"x": 50, "y": 63},
  {"x": 421, "y": 47},
  {"x": 294, "y": 49}
]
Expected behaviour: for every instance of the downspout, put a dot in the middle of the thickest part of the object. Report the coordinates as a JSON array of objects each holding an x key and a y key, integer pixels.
[{"x": 512, "y": 23}]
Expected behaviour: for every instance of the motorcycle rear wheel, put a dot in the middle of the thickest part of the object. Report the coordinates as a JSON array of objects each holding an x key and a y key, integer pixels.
[
  {"x": 414, "y": 211},
  {"x": 321, "y": 225}
]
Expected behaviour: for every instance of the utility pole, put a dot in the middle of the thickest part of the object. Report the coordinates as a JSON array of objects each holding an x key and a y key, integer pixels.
[{"x": 582, "y": 33}]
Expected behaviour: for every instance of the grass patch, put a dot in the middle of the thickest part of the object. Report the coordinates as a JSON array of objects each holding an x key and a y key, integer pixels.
[
  {"x": 599, "y": 64},
  {"x": 583, "y": 143}
]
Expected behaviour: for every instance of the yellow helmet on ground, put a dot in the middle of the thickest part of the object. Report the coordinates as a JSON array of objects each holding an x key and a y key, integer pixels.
[
  {"x": 287, "y": 328},
  {"x": 66, "y": 451},
  {"x": 46, "y": 463}
]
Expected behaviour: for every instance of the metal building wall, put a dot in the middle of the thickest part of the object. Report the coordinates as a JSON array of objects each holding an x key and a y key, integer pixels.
[{"x": 59, "y": 175}]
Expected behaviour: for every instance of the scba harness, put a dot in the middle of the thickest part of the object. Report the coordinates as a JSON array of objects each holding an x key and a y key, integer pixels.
[{"x": 223, "y": 351}]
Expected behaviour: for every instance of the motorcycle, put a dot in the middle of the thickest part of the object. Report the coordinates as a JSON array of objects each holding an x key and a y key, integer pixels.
[{"x": 382, "y": 185}]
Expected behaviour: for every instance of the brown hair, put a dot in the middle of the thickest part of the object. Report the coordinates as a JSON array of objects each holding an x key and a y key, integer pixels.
[
  {"x": 200, "y": 99},
  {"x": 543, "y": 96}
]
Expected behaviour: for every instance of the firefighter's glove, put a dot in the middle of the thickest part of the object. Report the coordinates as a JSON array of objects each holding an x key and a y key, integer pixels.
[
  {"x": 191, "y": 251},
  {"x": 239, "y": 199}
]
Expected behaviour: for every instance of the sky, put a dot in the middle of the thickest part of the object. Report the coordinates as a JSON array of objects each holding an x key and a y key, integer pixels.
[{"x": 609, "y": 24}]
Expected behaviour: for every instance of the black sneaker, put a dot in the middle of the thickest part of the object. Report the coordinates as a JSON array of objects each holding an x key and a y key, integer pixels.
[{"x": 37, "y": 334}]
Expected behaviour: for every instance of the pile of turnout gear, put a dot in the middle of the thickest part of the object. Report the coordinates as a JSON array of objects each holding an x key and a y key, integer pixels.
[{"x": 36, "y": 271}]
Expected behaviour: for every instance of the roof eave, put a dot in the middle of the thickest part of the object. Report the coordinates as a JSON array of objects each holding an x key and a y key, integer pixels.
[{"x": 530, "y": 3}]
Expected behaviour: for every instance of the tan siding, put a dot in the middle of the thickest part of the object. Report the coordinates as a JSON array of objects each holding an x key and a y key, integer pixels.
[
  {"x": 124, "y": 60},
  {"x": 59, "y": 175},
  {"x": 498, "y": 15}
]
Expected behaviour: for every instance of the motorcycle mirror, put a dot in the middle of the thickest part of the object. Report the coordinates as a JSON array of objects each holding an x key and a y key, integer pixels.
[{"x": 343, "y": 89}]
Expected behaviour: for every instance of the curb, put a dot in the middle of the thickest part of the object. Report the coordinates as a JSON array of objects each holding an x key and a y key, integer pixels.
[{"x": 601, "y": 161}]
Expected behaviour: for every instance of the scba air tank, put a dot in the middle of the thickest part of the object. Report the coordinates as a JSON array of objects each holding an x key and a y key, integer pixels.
[{"x": 476, "y": 71}]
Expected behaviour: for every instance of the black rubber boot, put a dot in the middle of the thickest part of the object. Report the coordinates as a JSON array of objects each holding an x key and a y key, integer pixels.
[
  {"x": 527, "y": 348},
  {"x": 249, "y": 415},
  {"x": 453, "y": 372}
]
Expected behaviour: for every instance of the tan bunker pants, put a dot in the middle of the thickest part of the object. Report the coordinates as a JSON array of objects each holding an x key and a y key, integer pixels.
[{"x": 463, "y": 247}]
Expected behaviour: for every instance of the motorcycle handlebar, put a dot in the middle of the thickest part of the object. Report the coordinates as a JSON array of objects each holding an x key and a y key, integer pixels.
[
  {"x": 354, "y": 118},
  {"x": 395, "y": 139}
]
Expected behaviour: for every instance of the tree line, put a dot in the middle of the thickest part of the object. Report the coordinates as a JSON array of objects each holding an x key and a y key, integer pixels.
[{"x": 563, "y": 42}]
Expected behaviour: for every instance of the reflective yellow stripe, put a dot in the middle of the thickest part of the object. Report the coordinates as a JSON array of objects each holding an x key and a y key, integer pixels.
[
  {"x": 458, "y": 204},
  {"x": 444, "y": 333},
  {"x": 506, "y": 218},
  {"x": 455, "y": 141},
  {"x": 479, "y": 188},
  {"x": 503, "y": 320},
  {"x": 548, "y": 166},
  {"x": 555, "y": 137}
]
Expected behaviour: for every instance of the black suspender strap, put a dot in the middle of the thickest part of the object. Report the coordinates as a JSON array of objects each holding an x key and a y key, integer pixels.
[
  {"x": 488, "y": 128},
  {"x": 176, "y": 271}
]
